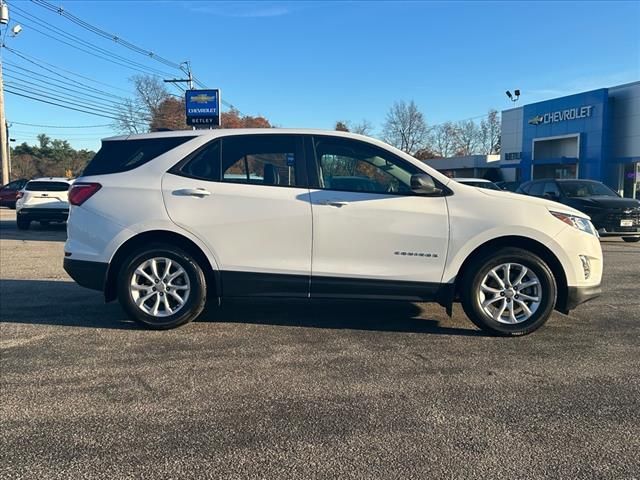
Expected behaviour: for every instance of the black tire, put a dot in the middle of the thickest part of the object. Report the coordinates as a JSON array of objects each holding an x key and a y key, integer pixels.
[
  {"x": 471, "y": 284},
  {"x": 631, "y": 239},
  {"x": 193, "y": 305},
  {"x": 23, "y": 223}
]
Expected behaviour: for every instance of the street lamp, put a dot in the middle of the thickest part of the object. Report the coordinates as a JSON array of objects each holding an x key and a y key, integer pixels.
[{"x": 513, "y": 97}]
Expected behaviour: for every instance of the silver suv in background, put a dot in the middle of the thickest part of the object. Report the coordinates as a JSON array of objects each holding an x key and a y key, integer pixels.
[{"x": 43, "y": 200}]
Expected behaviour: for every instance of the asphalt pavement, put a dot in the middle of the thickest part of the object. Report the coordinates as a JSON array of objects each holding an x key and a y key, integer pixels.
[{"x": 296, "y": 390}]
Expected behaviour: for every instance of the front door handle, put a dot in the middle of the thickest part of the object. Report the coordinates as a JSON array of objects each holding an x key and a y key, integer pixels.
[
  {"x": 333, "y": 203},
  {"x": 192, "y": 192}
]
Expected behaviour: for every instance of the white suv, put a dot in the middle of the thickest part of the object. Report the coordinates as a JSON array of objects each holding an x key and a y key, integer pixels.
[
  {"x": 43, "y": 200},
  {"x": 162, "y": 221}
]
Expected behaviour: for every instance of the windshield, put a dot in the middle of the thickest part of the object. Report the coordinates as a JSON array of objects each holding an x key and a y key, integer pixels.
[{"x": 586, "y": 189}]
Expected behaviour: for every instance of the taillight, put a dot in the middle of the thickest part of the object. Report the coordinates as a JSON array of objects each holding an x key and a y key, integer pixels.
[
  {"x": 19, "y": 195},
  {"x": 81, "y": 192}
]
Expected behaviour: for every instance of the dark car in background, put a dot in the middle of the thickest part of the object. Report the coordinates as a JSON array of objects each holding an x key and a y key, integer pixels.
[
  {"x": 612, "y": 215},
  {"x": 9, "y": 192},
  {"x": 509, "y": 186}
]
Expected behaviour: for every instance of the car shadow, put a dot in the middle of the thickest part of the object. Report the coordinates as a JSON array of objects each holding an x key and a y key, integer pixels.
[
  {"x": 54, "y": 232},
  {"x": 63, "y": 303}
]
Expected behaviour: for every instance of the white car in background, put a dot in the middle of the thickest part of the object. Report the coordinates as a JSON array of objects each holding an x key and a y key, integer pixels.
[
  {"x": 479, "y": 182},
  {"x": 164, "y": 221},
  {"x": 43, "y": 200}
]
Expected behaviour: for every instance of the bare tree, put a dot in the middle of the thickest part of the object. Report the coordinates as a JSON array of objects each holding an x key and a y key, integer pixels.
[
  {"x": 442, "y": 139},
  {"x": 363, "y": 128},
  {"x": 405, "y": 127},
  {"x": 467, "y": 135},
  {"x": 138, "y": 114},
  {"x": 490, "y": 130}
]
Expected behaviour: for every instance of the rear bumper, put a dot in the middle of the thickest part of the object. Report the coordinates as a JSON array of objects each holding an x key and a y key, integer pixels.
[
  {"x": 87, "y": 274},
  {"x": 578, "y": 295},
  {"x": 52, "y": 214}
]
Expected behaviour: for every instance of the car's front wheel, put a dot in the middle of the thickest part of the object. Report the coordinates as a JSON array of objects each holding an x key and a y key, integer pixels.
[
  {"x": 509, "y": 292},
  {"x": 631, "y": 239},
  {"x": 162, "y": 287}
]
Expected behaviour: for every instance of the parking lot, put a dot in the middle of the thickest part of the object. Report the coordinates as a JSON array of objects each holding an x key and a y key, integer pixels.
[{"x": 282, "y": 389}]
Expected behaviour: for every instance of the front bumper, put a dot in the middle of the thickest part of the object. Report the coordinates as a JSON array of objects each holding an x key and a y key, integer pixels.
[
  {"x": 87, "y": 274},
  {"x": 51, "y": 214},
  {"x": 576, "y": 296},
  {"x": 629, "y": 233}
]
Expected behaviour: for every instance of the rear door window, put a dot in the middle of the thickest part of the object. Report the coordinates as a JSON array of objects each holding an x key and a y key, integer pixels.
[
  {"x": 47, "y": 186},
  {"x": 117, "y": 156},
  {"x": 203, "y": 164},
  {"x": 263, "y": 159},
  {"x": 551, "y": 188}
]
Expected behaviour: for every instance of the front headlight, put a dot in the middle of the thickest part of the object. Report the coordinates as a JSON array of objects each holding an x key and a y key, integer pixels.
[{"x": 580, "y": 223}]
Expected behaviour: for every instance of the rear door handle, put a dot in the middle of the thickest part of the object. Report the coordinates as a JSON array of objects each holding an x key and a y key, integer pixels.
[
  {"x": 192, "y": 192},
  {"x": 333, "y": 203}
]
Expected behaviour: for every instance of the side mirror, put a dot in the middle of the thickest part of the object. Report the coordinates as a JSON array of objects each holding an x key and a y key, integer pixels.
[
  {"x": 551, "y": 195},
  {"x": 423, "y": 184}
]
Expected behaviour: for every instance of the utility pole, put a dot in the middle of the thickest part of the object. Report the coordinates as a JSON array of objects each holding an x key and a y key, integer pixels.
[
  {"x": 188, "y": 80},
  {"x": 4, "y": 140}
]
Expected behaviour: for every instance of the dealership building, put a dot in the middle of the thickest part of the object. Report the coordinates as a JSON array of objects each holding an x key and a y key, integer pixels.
[{"x": 592, "y": 135}]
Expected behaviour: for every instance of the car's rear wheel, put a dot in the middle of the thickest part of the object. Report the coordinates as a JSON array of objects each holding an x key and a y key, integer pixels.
[
  {"x": 162, "y": 287},
  {"x": 23, "y": 223},
  {"x": 509, "y": 292},
  {"x": 631, "y": 239}
]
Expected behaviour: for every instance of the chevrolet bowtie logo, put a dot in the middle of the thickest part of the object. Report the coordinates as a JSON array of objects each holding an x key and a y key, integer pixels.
[
  {"x": 202, "y": 98},
  {"x": 537, "y": 120}
]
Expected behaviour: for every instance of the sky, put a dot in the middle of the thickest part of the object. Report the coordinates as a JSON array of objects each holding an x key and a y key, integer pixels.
[{"x": 309, "y": 64}]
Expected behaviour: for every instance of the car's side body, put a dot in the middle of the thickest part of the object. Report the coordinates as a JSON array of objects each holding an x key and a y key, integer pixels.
[
  {"x": 9, "y": 192},
  {"x": 310, "y": 239}
]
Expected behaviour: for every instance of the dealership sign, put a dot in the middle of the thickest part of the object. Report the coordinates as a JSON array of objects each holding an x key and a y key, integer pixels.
[
  {"x": 203, "y": 107},
  {"x": 562, "y": 115}
]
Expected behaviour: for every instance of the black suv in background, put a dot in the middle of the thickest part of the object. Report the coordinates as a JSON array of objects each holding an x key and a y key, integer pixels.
[{"x": 611, "y": 214}]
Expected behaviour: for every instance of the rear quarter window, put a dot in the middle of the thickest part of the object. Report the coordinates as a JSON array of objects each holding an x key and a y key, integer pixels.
[
  {"x": 47, "y": 186},
  {"x": 117, "y": 156}
]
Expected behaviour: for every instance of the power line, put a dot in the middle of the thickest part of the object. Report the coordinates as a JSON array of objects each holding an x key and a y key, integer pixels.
[
  {"x": 39, "y": 62},
  {"x": 66, "y": 88},
  {"x": 61, "y": 126},
  {"x": 20, "y": 133},
  {"x": 74, "y": 38},
  {"x": 59, "y": 105},
  {"x": 75, "y": 82},
  {"x": 106, "y": 57},
  {"x": 64, "y": 96},
  {"x": 102, "y": 33}
]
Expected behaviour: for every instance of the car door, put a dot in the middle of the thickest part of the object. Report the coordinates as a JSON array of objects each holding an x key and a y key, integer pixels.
[
  {"x": 8, "y": 192},
  {"x": 536, "y": 189},
  {"x": 372, "y": 236},
  {"x": 246, "y": 197}
]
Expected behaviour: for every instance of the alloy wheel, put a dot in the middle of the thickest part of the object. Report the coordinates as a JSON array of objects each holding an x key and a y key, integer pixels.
[
  {"x": 160, "y": 286},
  {"x": 510, "y": 293}
]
